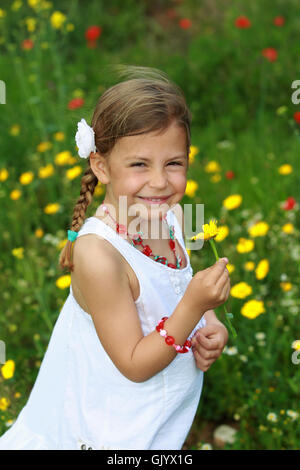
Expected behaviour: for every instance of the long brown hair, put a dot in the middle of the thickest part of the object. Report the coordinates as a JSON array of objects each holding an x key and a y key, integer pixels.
[{"x": 146, "y": 101}]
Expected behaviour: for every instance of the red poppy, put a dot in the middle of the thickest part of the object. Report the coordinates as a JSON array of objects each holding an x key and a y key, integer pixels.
[
  {"x": 93, "y": 32},
  {"x": 185, "y": 23},
  {"x": 27, "y": 44},
  {"x": 297, "y": 117},
  {"x": 230, "y": 175},
  {"x": 75, "y": 103},
  {"x": 289, "y": 204},
  {"x": 270, "y": 54},
  {"x": 242, "y": 22},
  {"x": 279, "y": 21}
]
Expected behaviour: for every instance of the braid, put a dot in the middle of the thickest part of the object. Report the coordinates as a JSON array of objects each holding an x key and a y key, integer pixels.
[{"x": 88, "y": 183}]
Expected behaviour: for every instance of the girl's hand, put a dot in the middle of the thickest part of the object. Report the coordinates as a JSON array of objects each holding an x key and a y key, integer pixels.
[{"x": 208, "y": 344}]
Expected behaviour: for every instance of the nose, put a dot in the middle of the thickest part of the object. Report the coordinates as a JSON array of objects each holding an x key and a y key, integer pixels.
[{"x": 158, "y": 179}]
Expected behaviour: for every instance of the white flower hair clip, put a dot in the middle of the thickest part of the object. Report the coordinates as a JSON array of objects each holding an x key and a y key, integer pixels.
[{"x": 85, "y": 139}]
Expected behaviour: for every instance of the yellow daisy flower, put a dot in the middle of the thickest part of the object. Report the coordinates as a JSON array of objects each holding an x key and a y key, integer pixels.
[
  {"x": 249, "y": 266},
  {"x": 252, "y": 309},
  {"x": 286, "y": 286},
  {"x": 191, "y": 188},
  {"x": 193, "y": 152},
  {"x": 8, "y": 369},
  {"x": 15, "y": 194},
  {"x": 63, "y": 158},
  {"x": 18, "y": 252},
  {"x": 52, "y": 208},
  {"x": 73, "y": 172},
  {"x": 14, "y": 130},
  {"x": 241, "y": 290},
  {"x": 26, "y": 177},
  {"x": 244, "y": 245},
  {"x": 57, "y": 19},
  {"x": 258, "y": 230},
  {"x": 212, "y": 167},
  {"x": 223, "y": 232},
  {"x": 232, "y": 202},
  {"x": 4, "y": 403},
  {"x": 39, "y": 233},
  {"x": 288, "y": 228},
  {"x": 3, "y": 174},
  {"x": 43, "y": 146},
  {"x": 63, "y": 281},
  {"x": 285, "y": 169},
  {"x": 46, "y": 171},
  {"x": 59, "y": 136},
  {"x": 262, "y": 269}
]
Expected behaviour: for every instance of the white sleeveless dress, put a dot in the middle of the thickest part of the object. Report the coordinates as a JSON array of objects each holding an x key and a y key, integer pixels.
[{"x": 81, "y": 400}]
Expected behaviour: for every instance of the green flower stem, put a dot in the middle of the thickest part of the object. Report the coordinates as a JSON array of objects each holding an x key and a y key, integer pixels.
[{"x": 227, "y": 315}]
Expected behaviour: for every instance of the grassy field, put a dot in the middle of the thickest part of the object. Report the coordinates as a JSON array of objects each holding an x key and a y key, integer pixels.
[{"x": 236, "y": 62}]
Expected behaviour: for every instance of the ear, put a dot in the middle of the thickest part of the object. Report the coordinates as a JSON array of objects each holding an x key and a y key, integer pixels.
[{"x": 99, "y": 165}]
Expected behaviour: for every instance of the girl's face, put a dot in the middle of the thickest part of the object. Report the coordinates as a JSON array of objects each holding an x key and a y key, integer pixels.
[{"x": 144, "y": 166}]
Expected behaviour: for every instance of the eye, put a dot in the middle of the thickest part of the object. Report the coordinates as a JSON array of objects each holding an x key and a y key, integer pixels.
[{"x": 138, "y": 164}]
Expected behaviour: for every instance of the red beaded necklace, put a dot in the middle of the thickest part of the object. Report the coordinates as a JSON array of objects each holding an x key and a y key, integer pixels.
[{"x": 137, "y": 240}]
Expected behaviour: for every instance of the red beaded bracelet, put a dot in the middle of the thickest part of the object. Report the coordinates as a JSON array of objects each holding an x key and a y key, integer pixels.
[{"x": 170, "y": 340}]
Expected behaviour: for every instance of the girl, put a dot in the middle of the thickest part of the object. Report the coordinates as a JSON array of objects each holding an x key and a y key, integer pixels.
[{"x": 119, "y": 371}]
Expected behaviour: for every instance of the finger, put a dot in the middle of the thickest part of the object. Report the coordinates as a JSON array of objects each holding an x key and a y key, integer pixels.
[
  {"x": 218, "y": 269},
  {"x": 208, "y": 344},
  {"x": 201, "y": 363},
  {"x": 205, "y": 354}
]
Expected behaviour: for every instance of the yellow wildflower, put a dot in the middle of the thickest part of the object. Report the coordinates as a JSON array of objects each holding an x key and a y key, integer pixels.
[
  {"x": 191, "y": 188},
  {"x": 4, "y": 403},
  {"x": 33, "y": 3},
  {"x": 51, "y": 208},
  {"x": 18, "y": 252},
  {"x": 17, "y": 395},
  {"x": 8, "y": 369},
  {"x": 296, "y": 344},
  {"x": 259, "y": 229},
  {"x": 43, "y": 146},
  {"x": 14, "y": 130},
  {"x": 244, "y": 245},
  {"x": 230, "y": 268},
  {"x": 288, "y": 228},
  {"x": 46, "y": 171},
  {"x": 15, "y": 194},
  {"x": 63, "y": 158},
  {"x": 215, "y": 178},
  {"x": 285, "y": 169},
  {"x": 57, "y": 19},
  {"x": 99, "y": 189},
  {"x": 252, "y": 309},
  {"x": 3, "y": 174},
  {"x": 241, "y": 290},
  {"x": 63, "y": 281},
  {"x": 232, "y": 202},
  {"x": 78, "y": 93},
  {"x": 59, "y": 136},
  {"x": 61, "y": 244},
  {"x": 286, "y": 286},
  {"x": 212, "y": 167},
  {"x": 189, "y": 252},
  {"x": 209, "y": 231},
  {"x": 193, "y": 152},
  {"x": 31, "y": 24},
  {"x": 73, "y": 172},
  {"x": 249, "y": 266},
  {"x": 262, "y": 269},
  {"x": 2, "y": 13},
  {"x": 26, "y": 177},
  {"x": 223, "y": 232},
  {"x": 39, "y": 233}
]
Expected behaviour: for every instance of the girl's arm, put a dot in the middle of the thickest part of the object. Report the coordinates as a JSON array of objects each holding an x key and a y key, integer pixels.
[{"x": 106, "y": 290}]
